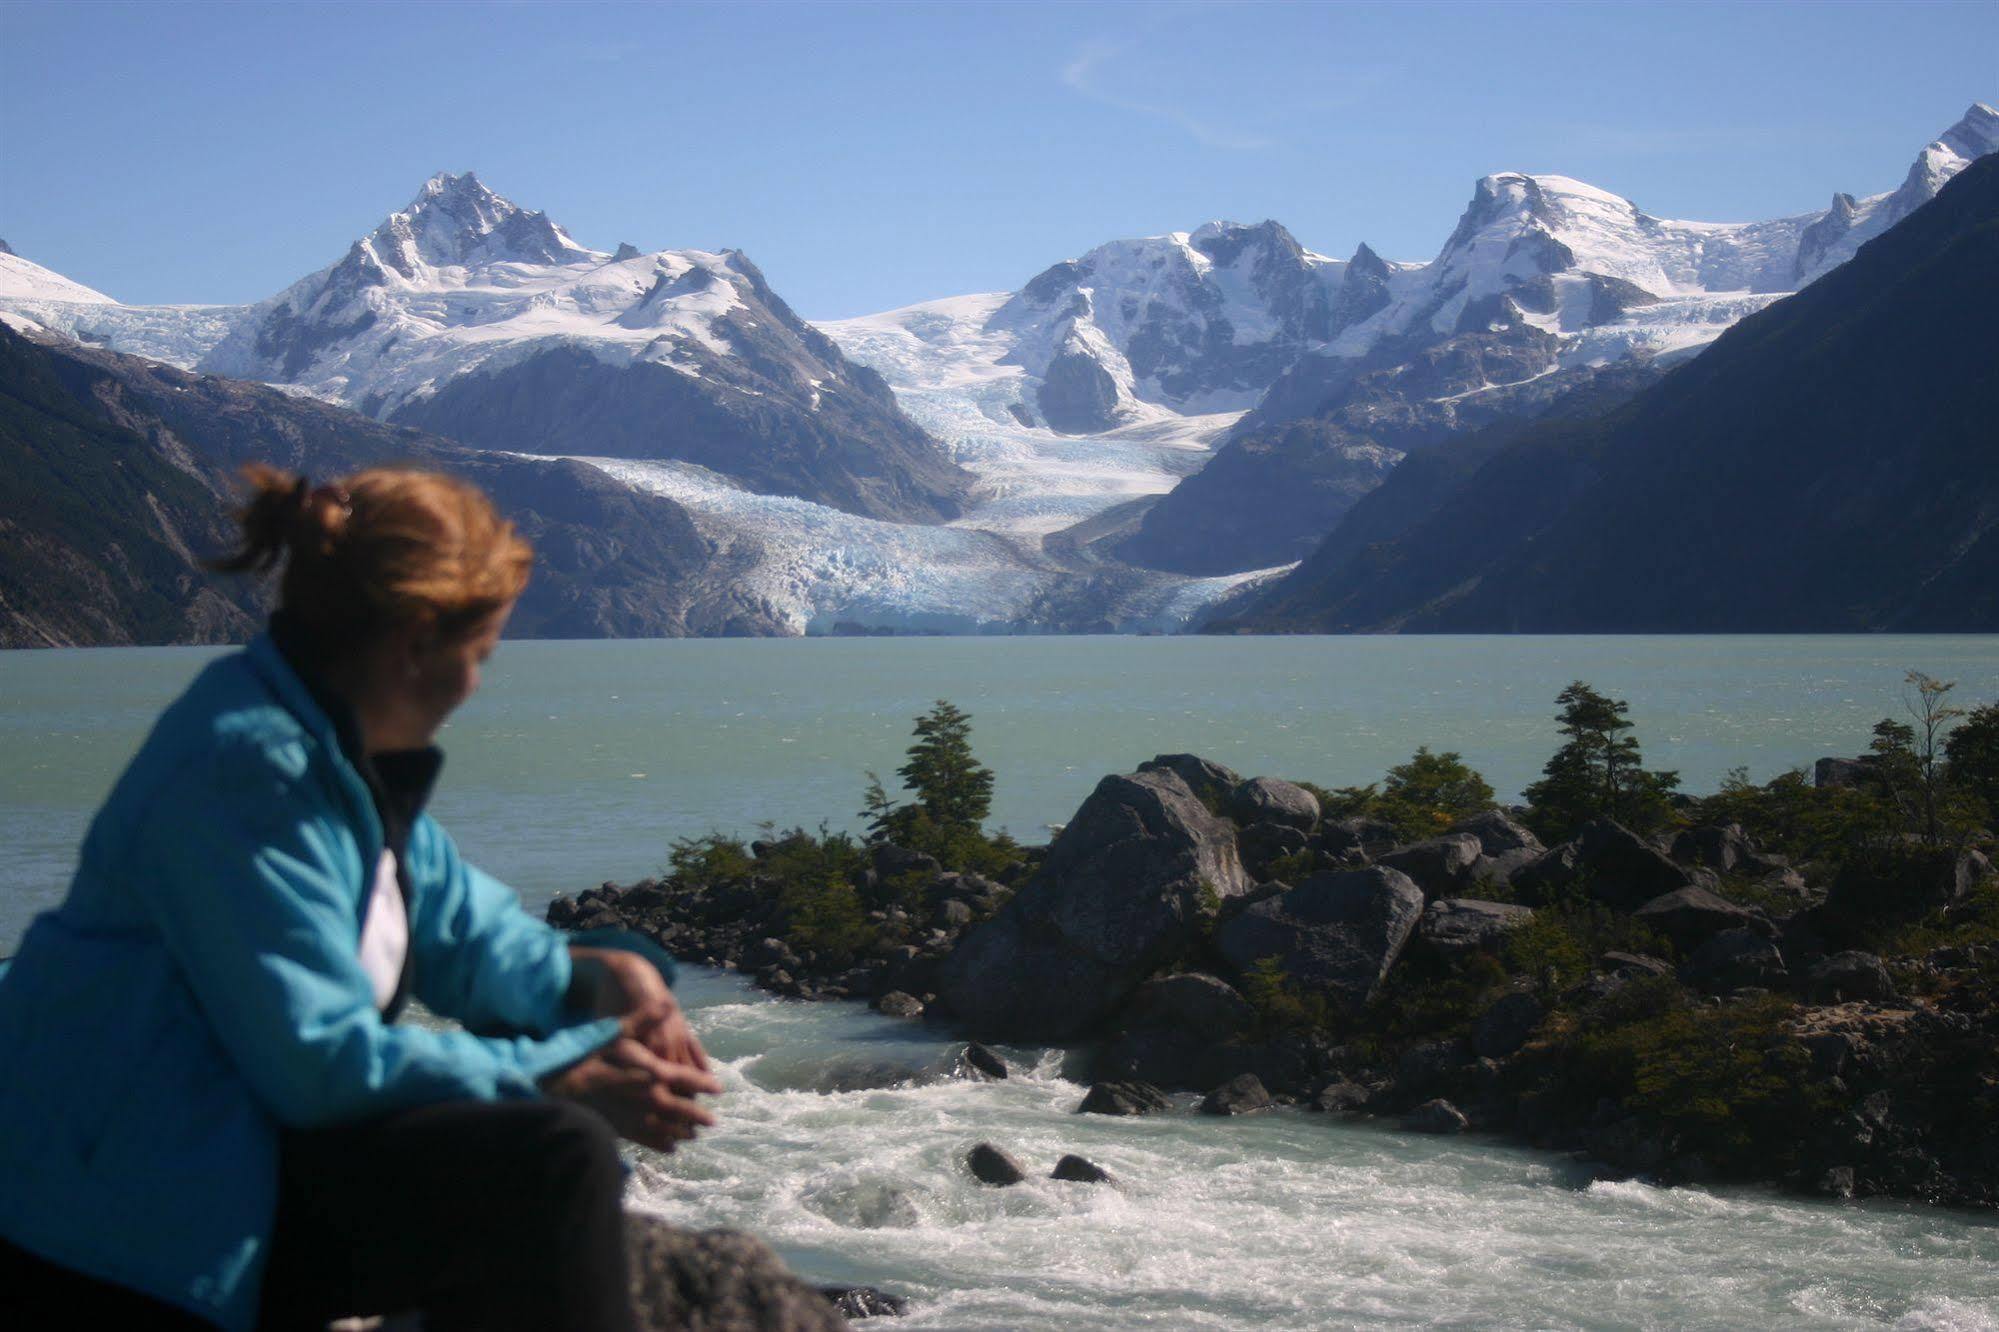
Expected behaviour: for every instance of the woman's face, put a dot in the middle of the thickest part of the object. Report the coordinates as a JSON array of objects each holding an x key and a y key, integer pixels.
[{"x": 440, "y": 673}]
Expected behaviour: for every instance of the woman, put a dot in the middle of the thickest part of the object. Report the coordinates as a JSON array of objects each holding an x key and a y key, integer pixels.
[{"x": 209, "y": 1114}]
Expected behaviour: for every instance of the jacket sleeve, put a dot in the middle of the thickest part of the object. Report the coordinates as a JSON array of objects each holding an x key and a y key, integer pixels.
[
  {"x": 248, "y": 874},
  {"x": 479, "y": 957}
]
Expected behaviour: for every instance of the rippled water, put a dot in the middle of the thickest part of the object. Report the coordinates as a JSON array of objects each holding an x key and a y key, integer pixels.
[{"x": 1285, "y": 1220}]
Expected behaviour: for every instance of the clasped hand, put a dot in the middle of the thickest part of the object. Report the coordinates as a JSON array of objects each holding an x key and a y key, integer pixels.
[{"x": 643, "y": 1082}]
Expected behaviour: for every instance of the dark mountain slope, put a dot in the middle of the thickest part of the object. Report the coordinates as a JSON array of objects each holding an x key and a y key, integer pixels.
[
  {"x": 1831, "y": 463},
  {"x": 115, "y": 477}
]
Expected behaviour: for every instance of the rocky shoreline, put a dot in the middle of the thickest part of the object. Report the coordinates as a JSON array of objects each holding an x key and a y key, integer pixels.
[{"x": 1684, "y": 1007}]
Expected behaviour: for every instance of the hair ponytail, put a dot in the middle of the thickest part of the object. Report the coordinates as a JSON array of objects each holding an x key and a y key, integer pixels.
[{"x": 383, "y": 548}]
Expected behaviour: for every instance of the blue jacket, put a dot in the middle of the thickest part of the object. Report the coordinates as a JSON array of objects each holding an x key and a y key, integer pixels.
[{"x": 199, "y": 987}]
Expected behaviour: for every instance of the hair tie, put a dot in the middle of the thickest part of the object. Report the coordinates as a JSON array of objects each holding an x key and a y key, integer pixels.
[{"x": 334, "y": 495}]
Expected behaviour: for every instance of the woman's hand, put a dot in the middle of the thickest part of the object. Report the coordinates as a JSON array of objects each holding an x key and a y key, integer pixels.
[
  {"x": 617, "y": 983},
  {"x": 646, "y": 1098}
]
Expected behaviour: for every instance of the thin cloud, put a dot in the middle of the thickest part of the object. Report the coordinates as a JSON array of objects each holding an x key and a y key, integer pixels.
[{"x": 1078, "y": 76}]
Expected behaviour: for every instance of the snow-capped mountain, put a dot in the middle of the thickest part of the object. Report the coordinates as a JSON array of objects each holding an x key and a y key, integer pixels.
[
  {"x": 472, "y": 317},
  {"x": 24, "y": 280},
  {"x": 1545, "y": 286},
  {"x": 1197, "y": 322},
  {"x": 32, "y": 296}
]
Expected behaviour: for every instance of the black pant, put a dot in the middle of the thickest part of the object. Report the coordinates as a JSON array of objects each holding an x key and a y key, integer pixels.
[{"x": 485, "y": 1216}]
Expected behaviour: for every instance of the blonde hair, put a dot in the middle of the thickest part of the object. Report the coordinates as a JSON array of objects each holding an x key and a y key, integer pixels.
[{"x": 382, "y": 549}]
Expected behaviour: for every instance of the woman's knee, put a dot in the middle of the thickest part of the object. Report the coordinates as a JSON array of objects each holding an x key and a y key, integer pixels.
[{"x": 580, "y": 1146}]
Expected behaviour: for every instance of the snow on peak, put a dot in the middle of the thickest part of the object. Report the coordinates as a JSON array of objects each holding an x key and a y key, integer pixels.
[
  {"x": 25, "y": 280},
  {"x": 457, "y": 222}
]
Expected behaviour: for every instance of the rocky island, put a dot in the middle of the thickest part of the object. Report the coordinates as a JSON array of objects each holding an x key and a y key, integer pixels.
[{"x": 1795, "y": 982}]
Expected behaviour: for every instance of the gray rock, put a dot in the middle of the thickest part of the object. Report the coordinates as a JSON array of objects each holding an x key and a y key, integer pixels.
[
  {"x": 1211, "y": 783},
  {"x": 1903, "y": 882},
  {"x": 990, "y": 1165},
  {"x": 983, "y": 1062},
  {"x": 1122, "y": 1098},
  {"x": 1263, "y": 844},
  {"x": 1691, "y": 916},
  {"x": 892, "y": 861},
  {"x": 1077, "y": 396},
  {"x": 951, "y": 915},
  {"x": 1837, "y": 1181},
  {"x": 1272, "y": 800},
  {"x": 717, "y": 1281},
  {"x": 1355, "y": 835},
  {"x": 1456, "y": 925},
  {"x": 1498, "y": 870},
  {"x": 1242, "y": 1095},
  {"x": 864, "y": 1302},
  {"x": 1441, "y": 867},
  {"x": 1734, "y": 959},
  {"x": 1170, "y": 1030},
  {"x": 1336, "y": 932},
  {"x": 1080, "y": 1171},
  {"x": 1343, "y": 1097},
  {"x": 1847, "y": 976},
  {"x": 1438, "y": 1116},
  {"x": 1625, "y": 870},
  {"x": 1428, "y": 1067},
  {"x": 1842, "y": 771},
  {"x": 1505, "y": 1026},
  {"x": 898, "y": 1004},
  {"x": 1544, "y": 878},
  {"x": 1719, "y": 847},
  {"x": 1498, "y": 834},
  {"x": 1634, "y": 965},
  {"x": 1130, "y": 884}
]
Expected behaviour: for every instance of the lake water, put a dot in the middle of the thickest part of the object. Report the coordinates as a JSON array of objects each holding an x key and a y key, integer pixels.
[{"x": 579, "y": 762}]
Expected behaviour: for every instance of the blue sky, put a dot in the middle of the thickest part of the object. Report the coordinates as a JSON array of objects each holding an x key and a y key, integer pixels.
[{"x": 871, "y": 155}]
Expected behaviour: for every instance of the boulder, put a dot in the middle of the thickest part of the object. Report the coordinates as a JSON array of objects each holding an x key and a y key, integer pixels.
[
  {"x": 990, "y": 1165},
  {"x": 1263, "y": 844},
  {"x": 1337, "y": 932},
  {"x": 1122, "y": 1098},
  {"x": 892, "y": 861},
  {"x": 1720, "y": 847},
  {"x": 1498, "y": 833},
  {"x": 1440, "y": 866},
  {"x": 1547, "y": 876},
  {"x": 713, "y": 1280},
  {"x": 983, "y": 1062},
  {"x": 1625, "y": 871},
  {"x": 1505, "y": 1026},
  {"x": 1691, "y": 916},
  {"x": 1847, "y": 976},
  {"x": 865, "y": 1302},
  {"x": 1273, "y": 800},
  {"x": 1078, "y": 1170},
  {"x": 951, "y": 915},
  {"x": 1342, "y": 1097},
  {"x": 1843, "y": 771},
  {"x": 1171, "y": 1028},
  {"x": 898, "y": 1004},
  {"x": 1457, "y": 925},
  {"x": 1242, "y": 1095},
  {"x": 1631, "y": 966},
  {"x": 1438, "y": 1116},
  {"x": 1429, "y": 1067},
  {"x": 1211, "y": 783},
  {"x": 1355, "y": 835},
  {"x": 1130, "y": 884},
  {"x": 1734, "y": 959},
  {"x": 1498, "y": 870}
]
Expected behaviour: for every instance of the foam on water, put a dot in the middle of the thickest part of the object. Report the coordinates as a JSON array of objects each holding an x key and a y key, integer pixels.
[{"x": 1284, "y": 1220}]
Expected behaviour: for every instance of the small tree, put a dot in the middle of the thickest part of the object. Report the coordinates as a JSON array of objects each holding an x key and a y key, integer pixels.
[
  {"x": 953, "y": 793},
  {"x": 1599, "y": 772},
  {"x": 1430, "y": 792}
]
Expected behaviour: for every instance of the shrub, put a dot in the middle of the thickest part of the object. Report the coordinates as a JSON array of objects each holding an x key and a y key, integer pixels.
[
  {"x": 1280, "y": 1003},
  {"x": 1430, "y": 793}
]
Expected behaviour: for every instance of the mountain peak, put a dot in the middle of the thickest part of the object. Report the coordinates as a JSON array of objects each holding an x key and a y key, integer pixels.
[
  {"x": 1975, "y": 134},
  {"x": 455, "y": 220}
]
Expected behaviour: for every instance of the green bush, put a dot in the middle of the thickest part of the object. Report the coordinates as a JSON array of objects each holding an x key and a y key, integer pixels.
[
  {"x": 1430, "y": 794},
  {"x": 1724, "y": 1082},
  {"x": 1563, "y": 941},
  {"x": 1280, "y": 1003}
]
